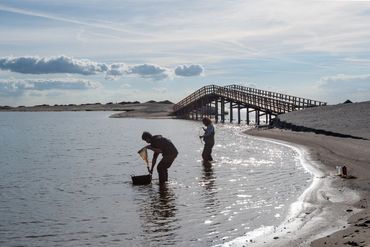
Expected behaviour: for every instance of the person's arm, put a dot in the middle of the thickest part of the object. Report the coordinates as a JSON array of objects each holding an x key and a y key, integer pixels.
[
  {"x": 154, "y": 160},
  {"x": 155, "y": 150},
  {"x": 208, "y": 131},
  {"x": 204, "y": 129}
]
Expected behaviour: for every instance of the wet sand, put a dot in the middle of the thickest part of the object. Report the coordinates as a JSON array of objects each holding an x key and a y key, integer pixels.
[{"x": 334, "y": 211}]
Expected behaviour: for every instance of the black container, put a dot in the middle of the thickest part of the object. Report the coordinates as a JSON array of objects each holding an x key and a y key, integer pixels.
[{"x": 141, "y": 180}]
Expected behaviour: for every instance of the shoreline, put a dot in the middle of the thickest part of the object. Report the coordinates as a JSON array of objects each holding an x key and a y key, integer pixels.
[
  {"x": 332, "y": 211},
  {"x": 123, "y": 109}
]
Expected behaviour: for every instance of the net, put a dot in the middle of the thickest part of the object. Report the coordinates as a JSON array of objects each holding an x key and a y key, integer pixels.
[{"x": 144, "y": 155}]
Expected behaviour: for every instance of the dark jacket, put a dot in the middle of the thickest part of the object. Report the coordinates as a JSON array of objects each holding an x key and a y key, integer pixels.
[
  {"x": 163, "y": 144},
  {"x": 209, "y": 135}
]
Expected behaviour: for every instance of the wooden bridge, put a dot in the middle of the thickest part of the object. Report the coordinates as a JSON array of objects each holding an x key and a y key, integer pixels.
[{"x": 212, "y": 100}]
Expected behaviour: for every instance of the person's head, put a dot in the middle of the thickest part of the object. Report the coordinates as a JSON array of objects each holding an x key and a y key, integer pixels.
[
  {"x": 146, "y": 136},
  {"x": 206, "y": 121}
]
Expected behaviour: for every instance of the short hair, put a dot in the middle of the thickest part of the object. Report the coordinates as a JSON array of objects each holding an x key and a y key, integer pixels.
[
  {"x": 206, "y": 121},
  {"x": 146, "y": 135}
]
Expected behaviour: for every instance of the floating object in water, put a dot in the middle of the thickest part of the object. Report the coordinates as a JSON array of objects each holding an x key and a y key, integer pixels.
[{"x": 141, "y": 180}]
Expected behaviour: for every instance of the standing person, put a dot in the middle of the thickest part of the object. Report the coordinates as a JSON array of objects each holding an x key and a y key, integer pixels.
[
  {"x": 159, "y": 144},
  {"x": 209, "y": 139}
]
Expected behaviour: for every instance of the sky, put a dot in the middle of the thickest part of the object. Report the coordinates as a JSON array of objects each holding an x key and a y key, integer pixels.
[{"x": 75, "y": 52}]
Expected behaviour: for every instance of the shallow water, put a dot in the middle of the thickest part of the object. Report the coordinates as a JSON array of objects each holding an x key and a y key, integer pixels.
[{"x": 65, "y": 181}]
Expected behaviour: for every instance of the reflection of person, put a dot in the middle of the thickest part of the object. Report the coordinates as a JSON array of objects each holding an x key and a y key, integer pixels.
[
  {"x": 158, "y": 210},
  {"x": 209, "y": 139},
  {"x": 159, "y": 144}
]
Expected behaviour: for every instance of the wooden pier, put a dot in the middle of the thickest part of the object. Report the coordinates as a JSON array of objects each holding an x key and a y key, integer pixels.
[{"x": 213, "y": 101}]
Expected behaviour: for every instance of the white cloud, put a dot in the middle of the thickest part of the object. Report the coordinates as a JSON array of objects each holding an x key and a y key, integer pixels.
[
  {"x": 59, "y": 64},
  {"x": 116, "y": 70},
  {"x": 189, "y": 70},
  {"x": 340, "y": 87},
  {"x": 359, "y": 61},
  {"x": 344, "y": 81},
  {"x": 17, "y": 87},
  {"x": 70, "y": 65},
  {"x": 151, "y": 71},
  {"x": 209, "y": 30},
  {"x": 251, "y": 85},
  {"x": 71, "y": 20}
]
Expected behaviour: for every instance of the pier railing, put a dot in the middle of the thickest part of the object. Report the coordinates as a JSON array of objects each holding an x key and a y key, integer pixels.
[
  {"x": 298, "y": 102},
  {"x": 272, "y": 102}
]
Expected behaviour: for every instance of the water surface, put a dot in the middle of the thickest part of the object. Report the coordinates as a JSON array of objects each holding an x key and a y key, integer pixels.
[{"x": 65, "y": 181}]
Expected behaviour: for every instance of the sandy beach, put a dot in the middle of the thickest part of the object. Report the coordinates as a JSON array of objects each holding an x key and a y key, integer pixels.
[
  {"x": 334, "y": 211},
  {"x": 146, "y": 110}
]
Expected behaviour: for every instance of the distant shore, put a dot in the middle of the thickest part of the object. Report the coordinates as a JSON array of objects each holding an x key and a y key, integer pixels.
[
  {"x": 150, "y": 109},
  {"x": 146, "y": 110}
]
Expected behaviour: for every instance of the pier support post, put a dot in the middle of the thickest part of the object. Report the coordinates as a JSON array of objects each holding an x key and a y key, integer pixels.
[
  {"x": 247, "y": 119},
  {"x": 216, "y": 111},
  {"x": 202, "y": 109},
  {"x": 231, "y": 112},
  {"x": 196, "y": 113},
  {"x": 267, "y": 118},
  {"x": 239, "y": 120},
  {"x": 257, "y": 117},
  {"x": 209, "y": 113},
  {"x": 222, "y": 110}
]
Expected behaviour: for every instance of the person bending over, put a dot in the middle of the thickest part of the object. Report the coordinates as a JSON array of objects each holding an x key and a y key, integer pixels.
[{"x": 160, "y": 145}]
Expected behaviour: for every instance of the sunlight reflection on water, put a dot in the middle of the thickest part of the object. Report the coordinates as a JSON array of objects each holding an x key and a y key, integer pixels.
[{"x": 66, "y": 181}]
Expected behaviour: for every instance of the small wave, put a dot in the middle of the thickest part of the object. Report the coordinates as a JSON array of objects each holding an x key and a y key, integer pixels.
[{"x": 41, "y": 236}]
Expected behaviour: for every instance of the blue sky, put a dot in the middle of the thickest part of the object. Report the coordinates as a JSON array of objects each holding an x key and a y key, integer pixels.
[{"x": 62, "y": 52}]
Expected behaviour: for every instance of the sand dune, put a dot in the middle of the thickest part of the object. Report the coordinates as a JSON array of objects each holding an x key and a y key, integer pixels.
[
  {"x": 352, "y": 216},
  {"x": 348, "y": 119}
]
